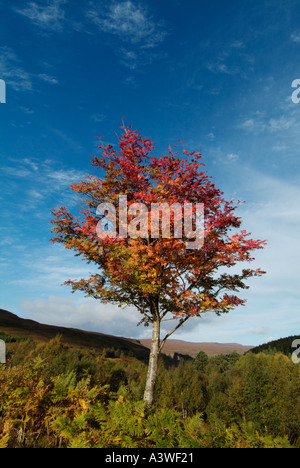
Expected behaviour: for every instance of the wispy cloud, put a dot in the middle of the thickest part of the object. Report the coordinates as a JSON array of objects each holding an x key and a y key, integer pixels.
[
  {"x": 88, "y": 315},
  {"x": 220, "y": 67},
  {"x": 296, "y": 37},
  {"x": 232, "y": 60},
  {"x": 139, "y": 34},
  {"x": 12, "y": 71},
  {"x": 129, "y": 58},
  {"x": 131, "y": 23},
  {"x": 70, "y": 141},
  {"x": 16, "y": 77},
  {"x": 47, "y": 17},
  {"x": 232, "y": 157},
  {"x": 42, "y": 180},
  {"x": 259, "y": 122},
  {"x": 97, "y": 118},
  {"x": 27, "y": 110},
  {"x": 48, "y": 78}
]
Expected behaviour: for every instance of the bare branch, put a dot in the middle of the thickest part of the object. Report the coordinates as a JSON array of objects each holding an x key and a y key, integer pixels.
[{"x": 181, "y": 322}]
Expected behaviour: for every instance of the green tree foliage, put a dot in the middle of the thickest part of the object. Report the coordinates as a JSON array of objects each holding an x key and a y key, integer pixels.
[
  {"x": 201, "y": 361},
  {"x": 54, "y": 396},
  {"x": 261, "y": 389},
  {"x": 183, "y": 388},
  {"x": 283, "y": 345}
]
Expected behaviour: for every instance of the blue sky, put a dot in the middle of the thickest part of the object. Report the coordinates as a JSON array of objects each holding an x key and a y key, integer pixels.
[{"x": 215, "y": 74}]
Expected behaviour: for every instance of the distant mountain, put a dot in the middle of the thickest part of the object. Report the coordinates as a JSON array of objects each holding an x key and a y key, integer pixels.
[
  {"x": 13, "y": 325},
  {"x": 192, "y": 349},
  {"x": 283, "y": 345}
]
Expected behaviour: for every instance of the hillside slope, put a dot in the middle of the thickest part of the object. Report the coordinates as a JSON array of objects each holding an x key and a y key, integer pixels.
[
  {"x": 19, "y": 327},
  {"x": 192, "y": 349},
  {"x": 283, "y": 345}
]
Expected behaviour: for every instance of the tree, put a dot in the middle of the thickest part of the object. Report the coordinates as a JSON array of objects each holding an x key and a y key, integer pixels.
[
  {"x": 201, "y": 361},
  {"x": 151, "y": 264}
]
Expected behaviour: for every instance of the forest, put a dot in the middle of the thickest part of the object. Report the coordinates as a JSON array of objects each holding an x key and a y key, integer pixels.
[{"x": 57, "y": 396}]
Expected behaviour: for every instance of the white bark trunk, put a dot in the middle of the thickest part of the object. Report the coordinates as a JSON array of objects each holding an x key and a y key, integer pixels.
[{"x": 153, "y": 362}]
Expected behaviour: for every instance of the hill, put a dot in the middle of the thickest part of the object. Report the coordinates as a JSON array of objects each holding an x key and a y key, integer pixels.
[
  {"x": 13, "y": 325},
  {"x": 283, "y": 345},
  {"x": 192, "y": 349}
]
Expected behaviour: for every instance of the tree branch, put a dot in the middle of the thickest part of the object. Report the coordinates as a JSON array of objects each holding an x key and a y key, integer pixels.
[{"x": 162, "y": 342}]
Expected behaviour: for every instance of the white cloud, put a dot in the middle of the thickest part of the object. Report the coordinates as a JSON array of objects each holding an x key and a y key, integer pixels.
[
  {"x": 129, "y": 22},
  {"x": 281, "y": 124},
  {"x": 70, "y": 141},
  {"x": 131, "y": 81},
  {"x": 276, "y": 219},
  {"x": 249, "y": 125},
  {"x": 45, "y": 184},
  {"x": 238, "y": 45},
  {"x": 48, "y": 170},
  {"x": 259, "y": 123},
  {"x": 48, "y": 78},
  {"x": 129, "y": 58},
  {"x": 136, "y": 29},
  {"x": 221, "y": 67},
  {"x": 48, "y": 17},
  {"x": 16, "y": 76},
  {"x": 232, "y": 157},
  {"x": 27, "y": 110},
  {"x": 259, "y": 330},
  {"x": 296, "y": 37},
  {"x": 63, "y": 177},
  {"x": 50, "y": 269},
  {"x": 98, "y": 117},
  {"x": 12, "y": 72},
  {"x": 87, "y": 314},
  {"x": 231, "y": 60}
]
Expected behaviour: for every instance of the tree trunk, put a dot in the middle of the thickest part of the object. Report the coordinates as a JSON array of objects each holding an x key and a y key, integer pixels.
[{"x": 153, "y": 361}]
